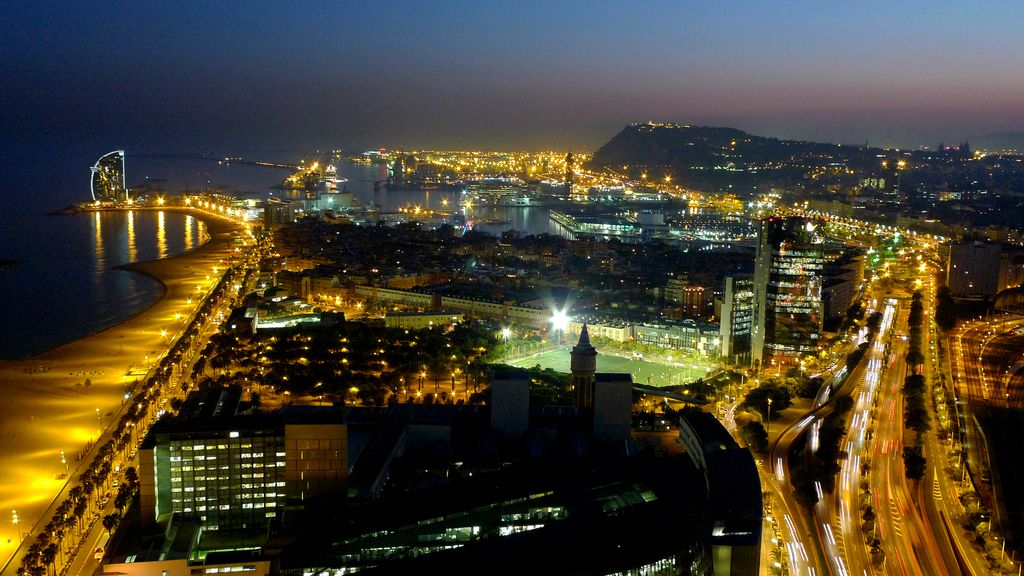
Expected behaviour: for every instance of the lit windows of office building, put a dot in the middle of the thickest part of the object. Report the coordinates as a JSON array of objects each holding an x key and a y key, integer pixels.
[
  {"x": 225, "y": 469},
  {"x": 787, "y": 292},
  {"x": 221, "y": 477},
  {"x": 737, "y": 312}
]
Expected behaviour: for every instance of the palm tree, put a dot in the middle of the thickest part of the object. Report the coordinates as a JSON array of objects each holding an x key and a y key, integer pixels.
[
  {"x": 88, "y": 487},
  {"x": 121, "y": 499},
  {"x": 79, "y": 514},
  {"x": 69, "y": 521},
  {"x": 48, "y": 555},
  {"x": 58, "y": 536},
  {"x": 43, "y": 540},
  {"x": 131, "y": 476},
  {"x": 74, "y": 495},
  {"x": 111, "y": 520},
  {"x": 32, "y": 556}
]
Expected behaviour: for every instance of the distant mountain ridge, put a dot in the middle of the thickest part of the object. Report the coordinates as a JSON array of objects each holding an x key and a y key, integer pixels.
[
  {"x": 680, "y": 145},
  {"x": 712, "y": 157}
]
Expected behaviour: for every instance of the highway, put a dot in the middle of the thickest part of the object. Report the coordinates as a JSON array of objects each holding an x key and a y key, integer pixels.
[
  {"x": 906, "y": 540},
  {"x": 812, "y": 546},
  {"x": 843, "y": 509},
  {"x": 916, "y": 521},
  {"x": 914, "y": 540},
  {"x": 800, "y": 543}
]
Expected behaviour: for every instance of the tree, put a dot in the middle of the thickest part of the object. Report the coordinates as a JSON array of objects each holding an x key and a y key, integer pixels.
[
  {"x": 121, "y": 499},
  {"x": 877, "y": 554},
  {"x": 843, "y": 404},
  {"x": 49, "y": 554},
  {"x": 945, "y": 310},
  {"x": 914, "y": 357},
  {"x": 758, "y": 399},
  {"x": 873, "y": 322},
  {"x": 855, "y": 357},
  {"x": 79, "y": 513},
  {"x": 855, "y": 312},
  {"x": 913, "y": 385},
  {"x": 754, "y": 435},
  {"x": 809, "y": 387},
  {"x": 914, "y": 462},
  {"x": 917, "y": 418},
  {"x": 806, "y": 495},
  {"x": 869, "y": 514},
  {"x": 110, "y": 521}
]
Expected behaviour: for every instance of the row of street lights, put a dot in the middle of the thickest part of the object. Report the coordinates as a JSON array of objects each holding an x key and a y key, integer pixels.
[{"x": 164, "y": 335}]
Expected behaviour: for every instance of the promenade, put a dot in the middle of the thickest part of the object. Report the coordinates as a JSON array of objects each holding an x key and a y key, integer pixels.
[{"x": 60, "y": 401}]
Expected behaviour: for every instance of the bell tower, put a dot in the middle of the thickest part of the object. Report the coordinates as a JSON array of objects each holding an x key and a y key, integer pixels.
[{"x": 583, "y": 364}]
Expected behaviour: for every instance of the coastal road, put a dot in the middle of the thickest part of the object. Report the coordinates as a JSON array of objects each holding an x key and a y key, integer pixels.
[{"x": 48, "y": 408}]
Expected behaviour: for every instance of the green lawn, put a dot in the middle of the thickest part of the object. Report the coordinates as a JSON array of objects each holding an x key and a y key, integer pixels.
[{"x": 660, "y": 374}]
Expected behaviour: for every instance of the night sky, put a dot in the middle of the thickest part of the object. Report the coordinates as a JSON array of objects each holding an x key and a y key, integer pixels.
[{"x": 248, "y": 76}]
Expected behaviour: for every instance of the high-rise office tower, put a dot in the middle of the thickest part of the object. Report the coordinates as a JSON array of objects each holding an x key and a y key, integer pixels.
[
  {"x": 787, "y": 292},
  {"x": 737, "y": 317}
]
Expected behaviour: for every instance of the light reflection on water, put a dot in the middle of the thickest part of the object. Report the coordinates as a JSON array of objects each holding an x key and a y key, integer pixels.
[
  {"x": 65, "y": 285},
  {"x": 161, "y": 235},
  {"x": 133, "y": 254},
  {"x": 494, "y": 220}
]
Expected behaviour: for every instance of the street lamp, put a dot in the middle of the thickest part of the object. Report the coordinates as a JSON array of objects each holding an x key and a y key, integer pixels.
[
  {"x": 768, "y": 420},
  {"x": 64, "y": 461},
  {"x": 14, "y": 519},
  {"x": 99, "y": 421}
]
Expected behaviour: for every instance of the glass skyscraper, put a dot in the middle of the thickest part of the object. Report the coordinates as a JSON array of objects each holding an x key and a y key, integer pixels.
[{"x": 787, "y": 292}]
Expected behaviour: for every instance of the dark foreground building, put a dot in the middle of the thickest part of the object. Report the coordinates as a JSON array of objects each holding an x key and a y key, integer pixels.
[{"x": 512, "y": 487}]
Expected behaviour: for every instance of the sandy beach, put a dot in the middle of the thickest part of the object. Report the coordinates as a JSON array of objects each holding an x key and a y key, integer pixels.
[{"x": 49, "y": 402}]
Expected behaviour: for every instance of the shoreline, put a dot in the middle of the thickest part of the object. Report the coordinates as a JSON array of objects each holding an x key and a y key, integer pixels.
[
  {"x": 158, "y": 269},
  {"x": 59, "y": 399},
  {"x": 205, "y": 217},
  {"x": 134, "y": 268}
]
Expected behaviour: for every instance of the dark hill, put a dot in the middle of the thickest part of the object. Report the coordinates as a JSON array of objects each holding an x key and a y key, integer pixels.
[{"x": 711, "y": 158}]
